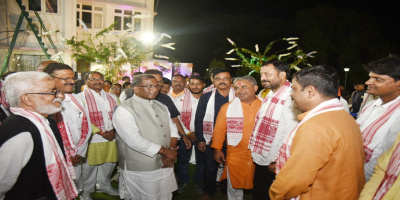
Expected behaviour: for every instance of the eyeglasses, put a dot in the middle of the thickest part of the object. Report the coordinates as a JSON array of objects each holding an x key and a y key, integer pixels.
[
  {"x": 224, "y": 79},
  {"x": 65, "y": 79},
  {"x": 56, "y": 93},
  {"x": 149, "y": 87},
  {"x": 96, "y": 79}
]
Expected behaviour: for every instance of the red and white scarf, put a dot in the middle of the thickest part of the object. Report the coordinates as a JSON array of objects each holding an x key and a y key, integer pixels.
[
  {"x": 370, "y": 139},
  {"x": 208, "y": 121},
  {"x": 267, "y": 120},
  {"x": 284, "y": 152},
  {"x": 96, "y": 117},
  {"x": 234, "y": 122},
  {"x": 70, "y": 147},
  {"x": 392, "y": 172},
  {"x": 186, "y": 113},
  {"x": 59, "y": 170},
  {"x": 3, "y": 100}
]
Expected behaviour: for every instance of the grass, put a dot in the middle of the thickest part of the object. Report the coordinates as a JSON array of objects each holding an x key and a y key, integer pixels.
[{"x": 188, "y": 194}]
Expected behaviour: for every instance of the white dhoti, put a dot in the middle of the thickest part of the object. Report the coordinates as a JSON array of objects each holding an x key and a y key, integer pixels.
[{"x": 147, "y": 185}]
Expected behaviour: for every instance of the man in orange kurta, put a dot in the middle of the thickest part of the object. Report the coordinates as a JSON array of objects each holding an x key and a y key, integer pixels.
[{"x": 236, "y": 120}]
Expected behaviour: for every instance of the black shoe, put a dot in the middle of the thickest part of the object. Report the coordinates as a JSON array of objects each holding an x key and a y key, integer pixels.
[
  {"x": 181, "y": 187},
  {"x": 199, "y": 188}
]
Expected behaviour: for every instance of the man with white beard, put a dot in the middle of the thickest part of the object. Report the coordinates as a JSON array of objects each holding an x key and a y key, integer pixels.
[{"x": 33, "y": 164}]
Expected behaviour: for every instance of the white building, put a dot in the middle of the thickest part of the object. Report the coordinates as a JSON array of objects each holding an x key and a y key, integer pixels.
[{"x": 63, "y": 15}]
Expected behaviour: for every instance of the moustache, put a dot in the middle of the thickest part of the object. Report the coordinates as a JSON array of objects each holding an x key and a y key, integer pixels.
[
  {"x": 265, "y": 81},
  {"x": 223, "y": 84},
  {"x": 57, "y": 100},
  {"x": 71, "y": 84}
]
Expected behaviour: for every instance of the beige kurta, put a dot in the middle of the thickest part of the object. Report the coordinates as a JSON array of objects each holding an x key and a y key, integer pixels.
[{"x": 327, "y": 160}]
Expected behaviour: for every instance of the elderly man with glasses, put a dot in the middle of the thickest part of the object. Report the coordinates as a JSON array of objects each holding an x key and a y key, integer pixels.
[
  {"x": 102, "y": 150},
  {"x": 145, "y": 154},
  {"x": 73, "y": 121},
  {"x": 32, "y": 157}
]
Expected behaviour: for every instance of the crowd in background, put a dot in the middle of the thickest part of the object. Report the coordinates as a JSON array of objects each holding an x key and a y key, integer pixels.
[{"x": 300, "y": 136}]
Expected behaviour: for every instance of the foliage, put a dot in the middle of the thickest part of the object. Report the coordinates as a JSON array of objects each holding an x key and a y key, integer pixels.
[
  {"x": 293, "y": 55},
  {"x": 214, "y": 64},
  {"x": 112, "y": 50}
]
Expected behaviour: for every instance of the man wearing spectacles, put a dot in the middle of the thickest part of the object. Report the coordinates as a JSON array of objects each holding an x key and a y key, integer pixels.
[
  {"x": 206, "y": 115},
  {"x": 145, "y": 153},
  {"x": 73, "y": 121},
  {"x": 32, "y": 157},
  {"x": 102, "y": 150}
]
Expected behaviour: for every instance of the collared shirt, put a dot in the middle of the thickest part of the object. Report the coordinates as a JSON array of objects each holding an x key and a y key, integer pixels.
[
  {"x": 390, "y": 130},
  {"x": 173, "y": 95}
]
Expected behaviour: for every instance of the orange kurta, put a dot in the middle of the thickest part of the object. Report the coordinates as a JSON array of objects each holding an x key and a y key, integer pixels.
[{"x": 241, "y": 166}]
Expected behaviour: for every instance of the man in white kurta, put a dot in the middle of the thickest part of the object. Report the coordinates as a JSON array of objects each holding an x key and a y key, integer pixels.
[
  {"x": 146, "y": 158},
  {"x": 74, "y": 123},
  {"x": 379, "y": 120},
  {"x": 102, "y": 149}
]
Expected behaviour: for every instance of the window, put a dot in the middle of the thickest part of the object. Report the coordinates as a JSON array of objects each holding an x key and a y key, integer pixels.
[
  {"x": 91, "y": 15},
  {"x": 138, "y": 22},
  {"x": 51, "y": 6},
  {"x": 25, "y": 62},
  {"x": 122, "y": 18}
]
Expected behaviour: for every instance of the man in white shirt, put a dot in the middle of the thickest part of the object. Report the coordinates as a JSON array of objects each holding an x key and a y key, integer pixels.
[
  {"x": 275, "y": 120},
  {"x": 33, "y": 164},
  {"x": 186, "y": 103},
  {"x": 146, "y": 158},
  {"x": 102, "y": 150},
  {"x": 73, "y": 121},
  {"x": 379, "y": 120}
]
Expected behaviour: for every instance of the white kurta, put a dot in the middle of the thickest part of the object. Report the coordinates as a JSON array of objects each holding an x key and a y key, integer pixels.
[
  {"x": 73, "y": 116},
  {"x": 138, "y": 184},
  {"x": 287, "y": 122},
  {"x": 387, "y": 133},
  {"x": 104, "y": 107}
]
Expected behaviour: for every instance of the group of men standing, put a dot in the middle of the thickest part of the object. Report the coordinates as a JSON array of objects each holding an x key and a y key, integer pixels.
[{"x": 298, "y": 142}]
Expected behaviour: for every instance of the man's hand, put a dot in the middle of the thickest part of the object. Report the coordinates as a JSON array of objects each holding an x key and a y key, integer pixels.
[
  {"x": 192, "y": 136},
  {"x": 187, "y": 142},
  {"x": 272, "y": 166},
  {"x": 201, "y": 146},
  {"x": 109, "y": 135},
  {"x": 76, "y": 159},
  {"x": 219, "y": 156},
  {"x": 167, "y": 162},
  {"x": 169, "y": 153}
]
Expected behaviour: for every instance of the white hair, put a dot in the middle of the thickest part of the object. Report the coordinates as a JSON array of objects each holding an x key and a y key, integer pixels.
[{"x": 20, "y": 83}]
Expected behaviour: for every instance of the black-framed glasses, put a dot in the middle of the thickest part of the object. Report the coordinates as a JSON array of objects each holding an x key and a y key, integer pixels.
[
  {"x": 149, "y": 87},
  {"x": 65, "y": 79},
  {"x": 55, "y": 93}
]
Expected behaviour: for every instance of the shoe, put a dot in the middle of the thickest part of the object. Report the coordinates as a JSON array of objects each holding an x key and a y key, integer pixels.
[
  {"x": 85, "y": 196},
  {"x": 181, "y": 187},
  {"x": 204, "y": 197},
  {"x": 111, "y": 191},
  {"x": 199, "y": 188}
]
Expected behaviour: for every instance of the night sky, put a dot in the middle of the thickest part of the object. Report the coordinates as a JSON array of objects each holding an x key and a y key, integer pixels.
[{"x": 200, "y": 27}]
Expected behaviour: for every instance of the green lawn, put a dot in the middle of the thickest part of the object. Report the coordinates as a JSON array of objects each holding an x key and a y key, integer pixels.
[{"x": 188, "y": 194}]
